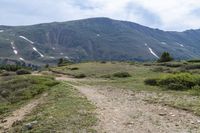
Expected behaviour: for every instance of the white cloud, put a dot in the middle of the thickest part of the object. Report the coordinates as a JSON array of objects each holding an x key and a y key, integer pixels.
[{"x": 167, "y": 15}]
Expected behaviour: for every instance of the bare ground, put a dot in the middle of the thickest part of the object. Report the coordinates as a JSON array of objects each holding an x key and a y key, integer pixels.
[
  {"x": 19, "y": 114},
  {"x": 124, "y": 111}
]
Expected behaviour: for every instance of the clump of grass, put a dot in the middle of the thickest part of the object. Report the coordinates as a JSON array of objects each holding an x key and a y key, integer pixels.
[{"x": 121, "y": 74}]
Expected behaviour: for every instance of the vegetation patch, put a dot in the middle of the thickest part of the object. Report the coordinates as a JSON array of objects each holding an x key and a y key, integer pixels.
[{"x": 15, "y": 90}]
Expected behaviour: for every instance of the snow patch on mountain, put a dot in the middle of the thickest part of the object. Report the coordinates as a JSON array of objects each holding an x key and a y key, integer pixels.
[
  {"x": 21, "y": 59},
  {"x": 163, "y": 43},
  {"x": 180, "y": 44},
  {"x": 35, "y": 49},
  {"x": 26, "y": 39},
  {"x": 1, "y": 31},
  {"x": 61, "y": 53},
  {"x": 151, "y": 51},
  {"x": 52, "y": 57},
  {"x": 15, "y": 51},
  {"x": 66, "y": 57},
  {"x": 14, "y": 48}
]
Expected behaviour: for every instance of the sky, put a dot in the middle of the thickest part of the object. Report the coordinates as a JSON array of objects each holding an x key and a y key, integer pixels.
[{"x": 173, "y": 15}]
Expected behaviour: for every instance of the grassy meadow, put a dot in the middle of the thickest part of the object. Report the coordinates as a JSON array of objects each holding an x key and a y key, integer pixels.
[{"x": 175, "y": 74}]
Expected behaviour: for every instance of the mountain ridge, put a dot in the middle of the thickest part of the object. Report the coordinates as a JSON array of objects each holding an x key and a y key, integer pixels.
[{"x": 95, "y": 39}]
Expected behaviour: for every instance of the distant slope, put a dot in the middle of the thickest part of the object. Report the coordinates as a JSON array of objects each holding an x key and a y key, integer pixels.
[{"x": 95, "y": 39}]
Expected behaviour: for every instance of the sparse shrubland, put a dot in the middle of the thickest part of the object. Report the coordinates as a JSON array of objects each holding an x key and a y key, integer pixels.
[{"x": 16, "y": 89}]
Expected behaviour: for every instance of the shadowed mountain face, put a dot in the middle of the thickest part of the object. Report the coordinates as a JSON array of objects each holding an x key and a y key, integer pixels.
[{"x": 95, "y": 39}]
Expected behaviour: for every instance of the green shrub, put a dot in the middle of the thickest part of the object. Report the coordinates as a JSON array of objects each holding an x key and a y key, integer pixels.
[
  {"x": 178, "y": 81},
  {"x": 152, "y": 82},
  {"x": 176, "y": 86},
  {"x": 22, "y": 72},
  {"x": 80, "y": 75},
  {"x": 185, "y": 79},
  {"x": 121, "y": 75}
]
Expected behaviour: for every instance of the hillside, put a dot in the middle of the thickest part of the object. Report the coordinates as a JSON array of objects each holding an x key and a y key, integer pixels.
[{"x": 94, "y": 39}]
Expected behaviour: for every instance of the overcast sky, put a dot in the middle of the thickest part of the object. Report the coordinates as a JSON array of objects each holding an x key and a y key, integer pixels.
[{"x": 163, "y": 14}]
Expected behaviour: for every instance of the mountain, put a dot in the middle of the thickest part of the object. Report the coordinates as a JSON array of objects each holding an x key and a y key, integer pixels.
[{"x": 94, "y": 39}]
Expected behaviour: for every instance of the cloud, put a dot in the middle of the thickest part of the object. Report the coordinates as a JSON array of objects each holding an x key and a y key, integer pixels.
[{"x": 167, "y": 15}]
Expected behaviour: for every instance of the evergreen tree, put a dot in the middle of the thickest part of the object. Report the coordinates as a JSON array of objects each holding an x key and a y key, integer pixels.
[{"x": 165, "y": 57}]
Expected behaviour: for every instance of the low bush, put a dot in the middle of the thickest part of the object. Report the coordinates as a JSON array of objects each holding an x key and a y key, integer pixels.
[
  {"x": 185, "y": 79},
  {"x": 172, "y": 64},
  {"x": 179, "y": 81},
  {"x": 22, "y": 72},
  {"x": 160, "y": 69},
  {"x": 192, "y": 66},
  {"x": 194, "y": 61},
  {"x": 121, "y": 75},
  {"x": 152, "y": 82},
  {"x": 80, "y": 76},
  {"x": 103, "y": 62},
  {"x": 74, "y": 68}
]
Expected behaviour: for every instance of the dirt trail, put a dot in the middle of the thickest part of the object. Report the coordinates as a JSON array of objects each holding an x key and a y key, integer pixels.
[
  {"x": 123, "y": 111},
  {"x": 19, "y": 114}
]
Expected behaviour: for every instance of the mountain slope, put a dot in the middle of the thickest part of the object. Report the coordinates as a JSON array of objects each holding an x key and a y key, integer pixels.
[{"x": 95, "y": 39}]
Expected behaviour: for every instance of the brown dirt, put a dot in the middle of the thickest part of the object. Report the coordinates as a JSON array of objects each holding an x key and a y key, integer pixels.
[{"x": 124, "y": 111}]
